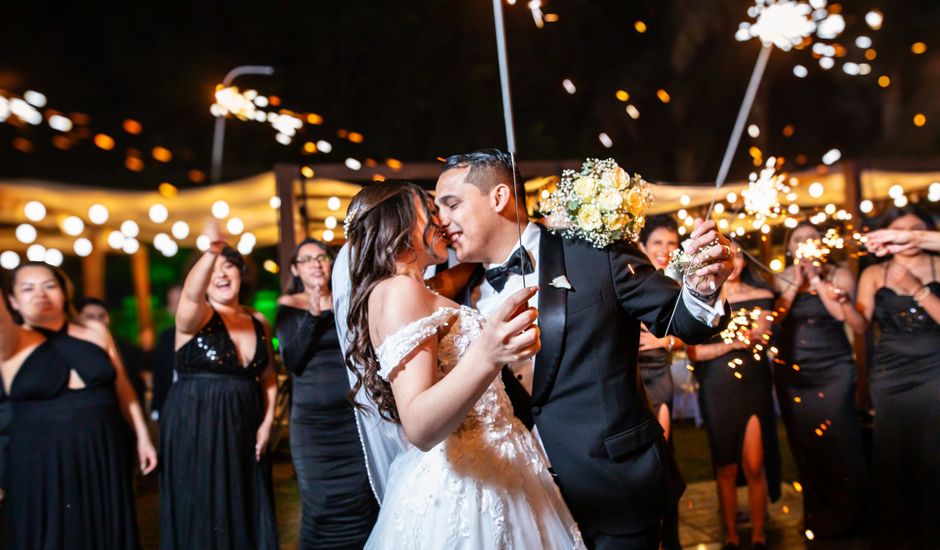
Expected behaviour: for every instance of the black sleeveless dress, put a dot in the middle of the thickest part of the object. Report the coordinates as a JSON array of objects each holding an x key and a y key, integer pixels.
[
  {"x": 70, "y": 483},
  {"x": 213, "y": 493},
  {"x": 339, "y": 509},
  {"x": 815, "y": 379},
  {"x": 728, "y": 402},
  {"x": 655, "y": 366},
  {"x": 905, "y": 388}
]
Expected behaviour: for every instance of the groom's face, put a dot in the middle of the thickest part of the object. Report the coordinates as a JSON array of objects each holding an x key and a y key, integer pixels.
[{"x": 466, "y": 213}]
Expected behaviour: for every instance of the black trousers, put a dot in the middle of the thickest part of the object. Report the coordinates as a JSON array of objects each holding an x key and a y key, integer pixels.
[{"x": 647, "y": 539}]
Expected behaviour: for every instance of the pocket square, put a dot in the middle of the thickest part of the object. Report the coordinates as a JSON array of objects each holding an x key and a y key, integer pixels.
[{"x": 561, "y": 282}]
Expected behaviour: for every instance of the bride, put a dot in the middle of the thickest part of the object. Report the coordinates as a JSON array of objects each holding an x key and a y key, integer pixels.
[{"x": 474, "y": 477}]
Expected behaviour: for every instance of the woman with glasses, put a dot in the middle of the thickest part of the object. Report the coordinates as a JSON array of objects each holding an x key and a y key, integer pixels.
[{"x": 339, "y": 509}]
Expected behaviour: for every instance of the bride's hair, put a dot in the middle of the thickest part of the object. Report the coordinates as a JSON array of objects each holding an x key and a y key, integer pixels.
[{"x": 379, "y": 225}]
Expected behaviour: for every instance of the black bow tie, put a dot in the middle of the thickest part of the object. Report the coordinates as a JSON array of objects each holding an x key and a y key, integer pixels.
[{"x": 519, "y": 263}]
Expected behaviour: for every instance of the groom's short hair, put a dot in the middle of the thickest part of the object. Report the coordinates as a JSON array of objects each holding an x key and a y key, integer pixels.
[{"x": 489, "y": 168}]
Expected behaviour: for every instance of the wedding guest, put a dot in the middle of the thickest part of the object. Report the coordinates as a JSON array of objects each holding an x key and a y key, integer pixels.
[
  {"x": 737, "y": 405},
  {"x": 892, "y": 241},
  {"x": 339, "y": 509},
  {"x": 215, "y": 484},
  {"x": 902, "y": 297},
  {"x": 815, "y": 381},
  {"x": 69, "y": 485},
  {"x": 659, "y": 238},
  {"x": 132, "y": 357}
]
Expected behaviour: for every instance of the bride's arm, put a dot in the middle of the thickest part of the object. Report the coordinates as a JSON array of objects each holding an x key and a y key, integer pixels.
[
  {"x": 431, "y": 409},
  {"x": 450, "y": 282}
]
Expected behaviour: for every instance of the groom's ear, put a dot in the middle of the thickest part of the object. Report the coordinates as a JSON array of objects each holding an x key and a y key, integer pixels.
[{"x": 500, "y": 197}]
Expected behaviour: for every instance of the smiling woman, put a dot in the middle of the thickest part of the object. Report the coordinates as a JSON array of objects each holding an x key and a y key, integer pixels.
[
  {"x": 339, "y": 509},
  {"x": 217, "y": 417},
  {"x": 69, "y": 482}
]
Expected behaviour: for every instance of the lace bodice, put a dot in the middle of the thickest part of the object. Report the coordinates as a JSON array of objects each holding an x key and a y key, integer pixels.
[
  {"x": 493, "y": 410},
  {"x": 487, "y": 484}
]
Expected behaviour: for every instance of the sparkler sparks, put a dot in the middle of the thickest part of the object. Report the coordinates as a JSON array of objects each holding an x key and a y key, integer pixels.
[{"x": 762, "y": 196}]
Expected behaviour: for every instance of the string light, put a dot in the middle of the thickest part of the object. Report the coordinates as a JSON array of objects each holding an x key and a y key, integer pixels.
[{"x": 25, "y": 233}]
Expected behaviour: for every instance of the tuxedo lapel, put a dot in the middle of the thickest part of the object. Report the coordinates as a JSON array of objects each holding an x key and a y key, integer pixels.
[{"x": 553, "y": 305}]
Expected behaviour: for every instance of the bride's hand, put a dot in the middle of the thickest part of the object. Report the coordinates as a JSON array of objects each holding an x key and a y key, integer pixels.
[{"x": 511, "y": 334}]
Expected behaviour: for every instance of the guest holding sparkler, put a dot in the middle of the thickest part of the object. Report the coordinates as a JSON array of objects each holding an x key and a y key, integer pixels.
[
  {"x": 815, "y": 379},
  {"x": 659, "y": 238},
  {"x": 736, "y": 401},
  {"x": 902, "y": 296}
]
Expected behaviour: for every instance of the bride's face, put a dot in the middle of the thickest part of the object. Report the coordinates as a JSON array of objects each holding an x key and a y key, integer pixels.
[{"x": 434, "y": 250}]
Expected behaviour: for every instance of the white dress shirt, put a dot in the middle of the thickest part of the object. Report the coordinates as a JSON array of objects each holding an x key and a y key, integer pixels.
[{"x": 487, "y": 300}]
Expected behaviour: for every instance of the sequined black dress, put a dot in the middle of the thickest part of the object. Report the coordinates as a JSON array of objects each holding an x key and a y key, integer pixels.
[
  {"x": 339, "y": 509},
  {"x": 70, "y": 485},
  {"x": 905, "y": 388},
  {"x": 213, "y": 493},
  {"x": 729, "y": 397},
  {"x": 815, "y": 379}
]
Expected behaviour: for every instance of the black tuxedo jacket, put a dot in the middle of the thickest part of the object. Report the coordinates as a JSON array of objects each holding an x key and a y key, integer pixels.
[{"x": 605, "y": 445}]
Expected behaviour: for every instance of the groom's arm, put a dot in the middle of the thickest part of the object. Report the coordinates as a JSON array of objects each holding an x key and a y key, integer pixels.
[{"x": 649, "y": 296}]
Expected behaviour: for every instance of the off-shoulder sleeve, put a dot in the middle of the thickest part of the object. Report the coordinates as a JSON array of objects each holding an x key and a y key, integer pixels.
[{"x": 400, "y": 344}]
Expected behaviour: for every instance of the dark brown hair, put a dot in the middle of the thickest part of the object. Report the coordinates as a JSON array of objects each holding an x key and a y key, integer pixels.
[
  {"x": 65, "y": 284},
  {"x": 296, "y": 285},
  {"x": 488, "y": 168},
  {"x": 381, "y": 221}
]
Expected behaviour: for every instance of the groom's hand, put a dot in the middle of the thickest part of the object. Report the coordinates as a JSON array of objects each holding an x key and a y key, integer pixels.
[{"x": 712, "y": 251}]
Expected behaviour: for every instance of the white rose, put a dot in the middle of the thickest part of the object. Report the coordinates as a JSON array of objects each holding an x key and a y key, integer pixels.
[
  {"x": 585, "y": 188},
  {"x": 589, "y": 218},
  {"x": 609, "y": 199}
]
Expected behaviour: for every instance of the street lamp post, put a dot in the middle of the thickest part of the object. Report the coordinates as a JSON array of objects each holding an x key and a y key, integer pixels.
[{"x": 218, "y": 136}]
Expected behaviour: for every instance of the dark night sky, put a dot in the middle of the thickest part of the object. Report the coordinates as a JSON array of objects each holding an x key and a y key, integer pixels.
[{"x": 419, "y": 80}]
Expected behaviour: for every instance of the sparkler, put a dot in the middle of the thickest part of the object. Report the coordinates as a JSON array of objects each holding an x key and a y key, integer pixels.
[{"x": 762, "y": 196}]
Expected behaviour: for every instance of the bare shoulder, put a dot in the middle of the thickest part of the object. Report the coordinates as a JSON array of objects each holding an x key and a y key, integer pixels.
[
  {"x": 259, "y": 316},
  {"x": 871, "y": 274},
  {"x": 95, "y": 332},
  {"x": 396, "y": 302}
]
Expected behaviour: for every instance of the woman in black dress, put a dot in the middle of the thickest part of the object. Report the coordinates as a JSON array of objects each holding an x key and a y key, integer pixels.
[
  {"x": 659, "y": 238},
  {"x": 737, "y": 405},
  {"x": 70, "y": 485},
  {"x": 215, "y": 484},
  {"x": 815, "y": 380},
  {"x": 902, "y": 296},
  {"x": 339, "y": 509}
]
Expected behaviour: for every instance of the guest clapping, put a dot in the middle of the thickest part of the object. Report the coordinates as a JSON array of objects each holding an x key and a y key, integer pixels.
[{"x": 339, "y": 509}]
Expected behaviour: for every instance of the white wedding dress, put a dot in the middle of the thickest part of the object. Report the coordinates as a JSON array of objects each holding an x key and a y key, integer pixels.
[{"x": 487, "y": 485}]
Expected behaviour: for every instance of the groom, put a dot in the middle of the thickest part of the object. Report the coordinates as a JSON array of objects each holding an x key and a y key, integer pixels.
[{"x": 583, "y": 393}]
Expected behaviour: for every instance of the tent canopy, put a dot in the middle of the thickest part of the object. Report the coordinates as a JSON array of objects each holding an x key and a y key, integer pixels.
[{"x": 250, "y": 200}]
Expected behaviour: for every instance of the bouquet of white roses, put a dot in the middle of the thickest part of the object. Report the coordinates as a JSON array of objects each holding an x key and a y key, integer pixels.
[{"x": 601, "y": 204}]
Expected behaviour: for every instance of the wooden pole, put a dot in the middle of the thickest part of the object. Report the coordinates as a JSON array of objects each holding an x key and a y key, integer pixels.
[
  {"x": 93, "y": 272},
  {"x": 140, "y": 272},
  {"x": 284, "y": 177}
]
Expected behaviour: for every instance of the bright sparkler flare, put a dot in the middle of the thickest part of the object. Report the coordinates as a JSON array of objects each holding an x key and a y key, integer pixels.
[
  {"x": 248, "y": 106},
  {"x": 762, "y": 196},
  {"x": 782, "y": 23},
  {"x": 813, "y": 250},
  {"x": 535, "y": 6},
  {"x": 741, "y": 327},
  {"x": 832, "y": 239}
]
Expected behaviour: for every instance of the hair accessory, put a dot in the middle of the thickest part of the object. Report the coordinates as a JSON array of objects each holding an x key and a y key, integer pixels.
[{"x": 350, "y": 219}]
